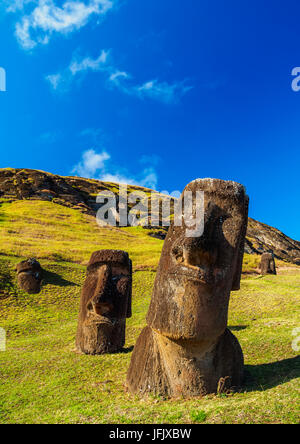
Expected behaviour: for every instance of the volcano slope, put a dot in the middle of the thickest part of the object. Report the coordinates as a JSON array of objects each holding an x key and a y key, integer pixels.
[{"x": 43, "y": 380}]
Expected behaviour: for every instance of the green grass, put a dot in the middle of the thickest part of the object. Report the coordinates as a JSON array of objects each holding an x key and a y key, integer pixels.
[
  {"x": 42, "y": 378},
  {"x": 46, "y": 230}
]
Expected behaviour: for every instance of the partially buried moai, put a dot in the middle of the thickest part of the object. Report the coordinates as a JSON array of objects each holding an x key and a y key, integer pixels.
[
  {"x": 267, "y": 264},
  {"x": 186, "y": 350},
  {"x": 105, "y": 303},
  {"x": 30, "y": 276}
]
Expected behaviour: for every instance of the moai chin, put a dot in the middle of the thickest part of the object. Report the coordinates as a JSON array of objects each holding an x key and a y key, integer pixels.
[
  {"x": 29, "y": 276},
  {"x": 105, "y": 303},
  {"x": 267, "y": 264},
  {"x": 186, "y": 350}
]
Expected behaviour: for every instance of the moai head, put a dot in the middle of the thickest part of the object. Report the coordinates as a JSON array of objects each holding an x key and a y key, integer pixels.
[
  {"x": 196, "y": 274},
  {"x": 105, "y": 302},
  {"x": 267, "y": 264},
  {"x": 30, "y": 276}
]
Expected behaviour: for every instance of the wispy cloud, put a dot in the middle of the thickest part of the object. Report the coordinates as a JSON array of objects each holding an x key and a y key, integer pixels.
[
  {"x": 151, "y": 159},
  {"x": 166, "y": 92},
  {"x": 89, "y": 64},
  {"x": 46, "y": 18},
  {"x": 97, "y": 165},
  {"x": 49, "y": 137},
  {"x": 62, "y": 81},
  {"x": 163, "y": 91},
  {"x": 96, "y": 135},
  {"x": 55, "y": 80},
  {"x": 16, "y": 5},
  {"x": 154, "y": 89}
]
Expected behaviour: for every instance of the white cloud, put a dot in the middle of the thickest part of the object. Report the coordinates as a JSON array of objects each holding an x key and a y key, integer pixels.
[
  {"x": 47, "y": 18},
  {"x": 117, "y": 75},
  {"x": 153, "y": 89},
  {"x": 78, "y": 66},
  {"x": 15, "y": 5},
  {"x": 149, "y": 179},
  {"x": 90, "y": 163},
  {"x": 161, "y": 91},
  {"x": 97, "y": 166},
  {"x": 116, "y": 178},
  {"x": 55, "y": 80},
  {"x": 89, "y": 64}
]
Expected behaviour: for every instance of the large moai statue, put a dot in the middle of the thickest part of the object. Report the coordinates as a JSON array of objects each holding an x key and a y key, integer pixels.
[
  {"x": 105, "y": 303},
  {"x": 30, "y": 276},
  {"x": 186, "y": 350},
  {"x": 267, "y": 264}
]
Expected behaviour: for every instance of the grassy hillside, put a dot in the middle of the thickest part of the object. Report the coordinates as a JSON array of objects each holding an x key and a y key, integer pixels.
[
  {"x": 80, "y": 194},
  {"x": 42, "y": 379},
  {"x": 51, "y": 231}
]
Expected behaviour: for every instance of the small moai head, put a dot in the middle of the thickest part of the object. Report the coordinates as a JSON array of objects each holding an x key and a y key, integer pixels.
[
  {"x": 29, "y": 276},
  {"x": 105, "y": 302},
  {"x": 267, "y": 264},
  {"x": 196, "y": 274}
]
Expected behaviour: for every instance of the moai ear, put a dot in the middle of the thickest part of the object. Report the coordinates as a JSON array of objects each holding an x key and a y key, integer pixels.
[
  {"x": 238, "y": 268},
  {"x": 239, "y": 263},
  {"x": 129, "y": 305}
]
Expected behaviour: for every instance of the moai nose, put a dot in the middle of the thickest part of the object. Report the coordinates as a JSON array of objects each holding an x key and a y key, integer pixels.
[
  {"x": 203, "y": 250},
  {"x": 103, "y": 308},
  {"x": 103, "y": 291}
]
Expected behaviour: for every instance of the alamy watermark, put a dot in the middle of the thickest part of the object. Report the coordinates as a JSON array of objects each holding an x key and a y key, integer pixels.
[
  {"x": 296, "y": 341},
  {"x": 2, "y": 80},
  {"x": 139, "y": 208},
  {"x": 2, "y": 340}
]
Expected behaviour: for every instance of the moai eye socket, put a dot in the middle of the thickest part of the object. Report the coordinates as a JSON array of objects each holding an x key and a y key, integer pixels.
[
  {"x": 90, "y": 306},
  {"x": 122, "y": 285},
  {"x": 177, "y": 252}
]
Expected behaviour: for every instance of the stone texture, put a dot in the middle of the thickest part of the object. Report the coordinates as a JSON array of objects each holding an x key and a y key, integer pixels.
[
  {"x": 267, "y": 264},
  {"x": 30, "y": 276},
  {"x": 105, "y": 303},
  {"x": 186, "y": 349}
]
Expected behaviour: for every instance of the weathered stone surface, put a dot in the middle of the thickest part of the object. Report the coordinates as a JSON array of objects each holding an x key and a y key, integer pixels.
[
  {"x": 30, "y": 276},
  {"x": 105, "y": 303},
  {"x": 186, "y": 348},
  {"x": 267, "y": 264}
]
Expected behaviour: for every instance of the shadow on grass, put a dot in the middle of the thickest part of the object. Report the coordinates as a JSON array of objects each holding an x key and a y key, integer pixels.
[
  {"x": 265, "y": 376},
  {"x": 238, "y": 327},
  {"x": 55, "y": 279},
  {"x": 124, "y": 351}
]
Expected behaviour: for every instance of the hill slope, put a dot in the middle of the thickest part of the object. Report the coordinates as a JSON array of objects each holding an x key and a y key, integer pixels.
[
  {"x": 80, "y": 194},
  {"x": 42, "y": 379}
]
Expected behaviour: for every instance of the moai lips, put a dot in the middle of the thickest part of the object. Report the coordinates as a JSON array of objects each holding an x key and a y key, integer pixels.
[
  {"x": 186, "y": 348},
  {"x": 29, "y": 276},
  {"x": 105, "y": 303},
  {"x": 267, "y": 264}
]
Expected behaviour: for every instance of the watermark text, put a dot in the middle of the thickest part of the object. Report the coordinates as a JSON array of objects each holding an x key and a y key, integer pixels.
[
  {"x": 296, "y": 341},
  {"x": 2, "y": 80},
  {"x": 139, "y": 208},
  {"x": 2, "y": 340}
]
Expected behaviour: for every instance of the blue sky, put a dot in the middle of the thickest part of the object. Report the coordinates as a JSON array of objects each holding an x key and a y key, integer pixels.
[{"x": 156, "y": 93}]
